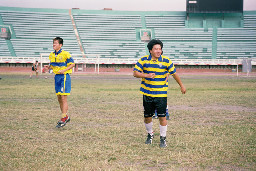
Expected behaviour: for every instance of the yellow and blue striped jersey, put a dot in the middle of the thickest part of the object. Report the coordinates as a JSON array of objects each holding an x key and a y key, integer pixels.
[
  {"x": 158, "y": 86},
  {"x": 60, "y": 60}
]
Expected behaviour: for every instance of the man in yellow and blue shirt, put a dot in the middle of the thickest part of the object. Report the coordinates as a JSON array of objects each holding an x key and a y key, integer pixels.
[
  {"x": 154, "y": 70},
  {"x": 61, "y": 63}
]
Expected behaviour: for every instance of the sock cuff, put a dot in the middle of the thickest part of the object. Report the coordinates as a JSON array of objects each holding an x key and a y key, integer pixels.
[
  {"x": 149, "y": 124},
  {"x": 64, "y": 115}
]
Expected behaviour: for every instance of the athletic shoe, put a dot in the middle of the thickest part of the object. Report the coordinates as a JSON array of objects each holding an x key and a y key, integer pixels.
[
  {"x": 149, "y": 139},
  {"x": 63, "y": 122},
  {"x": 163, "y": 142}
]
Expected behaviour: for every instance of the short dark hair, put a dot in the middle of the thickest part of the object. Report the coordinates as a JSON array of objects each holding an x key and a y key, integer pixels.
[
  {"x": 59, "y": 39},
  {"x": 153, "y": 42}
]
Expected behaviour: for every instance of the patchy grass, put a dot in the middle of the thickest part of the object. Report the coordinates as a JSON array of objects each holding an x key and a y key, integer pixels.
[{"x": 212, "y": 127}]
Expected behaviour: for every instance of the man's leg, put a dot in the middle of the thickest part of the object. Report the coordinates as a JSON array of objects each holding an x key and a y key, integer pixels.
[
  {"x": 162, "y": 121},
  {"x": 163, "y": 126},
  {"x": 148, "y": 120},
  {"x": 149, "y": 127},
  {"x": 60, "y": 102},
  {"x": 161, "y": 104},
  {"x": 163, "y": 130},
  {"x": 63, "y": 103},
  {"x": 64, "y": 109},
  {"x": 31, "y": 74},
  {"x": 148, "y": 113}
]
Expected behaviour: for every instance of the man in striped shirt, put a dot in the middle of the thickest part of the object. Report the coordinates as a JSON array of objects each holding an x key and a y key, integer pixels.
[{"x": 154, "y": 70}]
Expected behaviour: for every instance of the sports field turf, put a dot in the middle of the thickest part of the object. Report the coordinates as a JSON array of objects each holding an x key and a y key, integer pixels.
[{"x": 212, "y": 126}]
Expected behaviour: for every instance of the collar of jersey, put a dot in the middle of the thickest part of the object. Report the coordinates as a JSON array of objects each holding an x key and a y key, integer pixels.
[
  {"x": 57, "y": 53},
  {"x": 160, "y": 59}
]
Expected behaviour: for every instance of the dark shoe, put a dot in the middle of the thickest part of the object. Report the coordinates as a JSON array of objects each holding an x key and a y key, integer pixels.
[
  {"x": 163, "y": 142},
  {"x": 149, "y": 139},
  {"x": 63, "y": 122}
]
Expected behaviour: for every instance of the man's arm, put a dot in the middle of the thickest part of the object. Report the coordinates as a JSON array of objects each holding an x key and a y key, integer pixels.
[
  {"x": 68, "y": 68},
  {"x": 143, "y": 75},
  {"x": 48, "y": 67},
  {"x": 178, "y": 80}
]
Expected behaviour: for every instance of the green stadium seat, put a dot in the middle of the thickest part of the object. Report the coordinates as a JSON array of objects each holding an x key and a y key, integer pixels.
[{"x": 115, "y": 34}]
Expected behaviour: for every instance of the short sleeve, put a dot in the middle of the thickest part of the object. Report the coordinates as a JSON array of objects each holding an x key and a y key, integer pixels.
[{"x": 138, "y": 66}]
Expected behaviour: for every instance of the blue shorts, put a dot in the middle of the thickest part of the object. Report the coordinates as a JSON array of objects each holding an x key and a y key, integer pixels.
[{"x": 62, "y": 84}]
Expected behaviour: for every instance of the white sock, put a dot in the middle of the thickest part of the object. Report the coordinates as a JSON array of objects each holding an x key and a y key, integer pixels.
[
  {"x": 149, "y": 128},
  {"x": 163, "y": 130}
]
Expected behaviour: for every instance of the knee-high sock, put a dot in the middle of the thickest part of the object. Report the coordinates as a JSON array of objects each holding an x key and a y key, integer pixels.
[
  {"x": 149, "y": 128},
  {"x": 163, "y": 130}
]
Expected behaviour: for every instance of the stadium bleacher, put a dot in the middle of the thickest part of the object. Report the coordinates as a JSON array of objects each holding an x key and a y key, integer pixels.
[
  {"x": 113, "y": 49},
  {"x": 188, "y": 50},
  {"x": 34, "y": 31},
  {"x": 4, "y": 51},
  {"x": 185, "y": 34},
  {"x": 250, "y": 20},
  {"x": 235, "y": 43},
  {"x": 165, "y": 21},
  {"x": 116, "y": 34},
  {"x": 107, "y": 27}
]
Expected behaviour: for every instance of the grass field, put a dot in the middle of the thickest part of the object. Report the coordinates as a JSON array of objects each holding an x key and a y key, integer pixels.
[{"x": 212, "y": 126}]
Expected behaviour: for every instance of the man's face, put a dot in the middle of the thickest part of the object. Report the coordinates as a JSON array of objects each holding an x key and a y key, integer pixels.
[
  {"x": 156, "y": 51},
  {"x": 56, "y": 45}
]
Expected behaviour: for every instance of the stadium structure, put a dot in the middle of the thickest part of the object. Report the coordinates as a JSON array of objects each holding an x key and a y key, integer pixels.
[{"x": 119, "y": 38}]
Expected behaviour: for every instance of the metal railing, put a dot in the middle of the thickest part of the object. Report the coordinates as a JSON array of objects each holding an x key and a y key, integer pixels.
[
  {"x": 95, "y": 59},
  {"x": 92, "y": 59}
]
